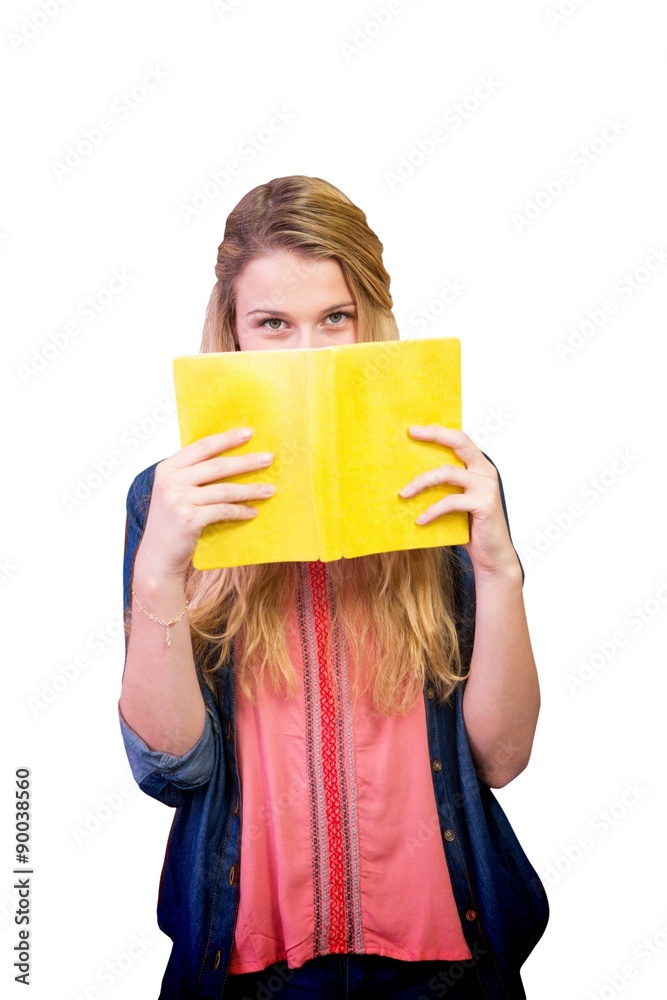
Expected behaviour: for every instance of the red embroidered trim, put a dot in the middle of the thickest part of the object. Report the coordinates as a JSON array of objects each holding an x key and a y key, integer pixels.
[{"x": 328, "y": 710}]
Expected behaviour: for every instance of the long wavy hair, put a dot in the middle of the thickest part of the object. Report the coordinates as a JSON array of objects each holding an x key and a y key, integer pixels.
[{"x": 403, "y": 602}]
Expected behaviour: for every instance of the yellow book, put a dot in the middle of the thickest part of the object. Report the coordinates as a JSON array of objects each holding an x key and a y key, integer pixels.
[{"x": 336, "y": 421}]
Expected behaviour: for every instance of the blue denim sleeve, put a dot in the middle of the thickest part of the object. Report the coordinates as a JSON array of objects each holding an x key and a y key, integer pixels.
[
  {"x": 161, "y": 775},
  {"x": 189, "y": 771},
  {"x": 137, "y": 504}
]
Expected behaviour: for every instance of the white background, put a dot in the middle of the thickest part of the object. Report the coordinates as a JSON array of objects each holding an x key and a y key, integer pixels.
[{"x": 590, "y": 808}]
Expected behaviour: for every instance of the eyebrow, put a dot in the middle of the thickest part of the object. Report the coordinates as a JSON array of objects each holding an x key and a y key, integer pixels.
[{"x": 325, "y": 312}]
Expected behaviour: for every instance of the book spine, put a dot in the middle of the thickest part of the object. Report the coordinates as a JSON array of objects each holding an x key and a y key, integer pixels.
[{"x": 324, "y": 452}]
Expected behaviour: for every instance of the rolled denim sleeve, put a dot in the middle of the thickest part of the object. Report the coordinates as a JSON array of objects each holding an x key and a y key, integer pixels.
[{"x": 191, "y": 770}]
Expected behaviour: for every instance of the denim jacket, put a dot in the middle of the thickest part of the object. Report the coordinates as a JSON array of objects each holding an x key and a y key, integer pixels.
[{"x": 500, "y": 899}]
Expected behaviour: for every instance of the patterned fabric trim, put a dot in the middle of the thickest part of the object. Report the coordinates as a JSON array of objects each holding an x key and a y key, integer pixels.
[{"x": 332, "y": 783}]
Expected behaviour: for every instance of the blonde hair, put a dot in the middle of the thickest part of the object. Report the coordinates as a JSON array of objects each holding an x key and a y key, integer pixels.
[{"x": 403, "y": 601}]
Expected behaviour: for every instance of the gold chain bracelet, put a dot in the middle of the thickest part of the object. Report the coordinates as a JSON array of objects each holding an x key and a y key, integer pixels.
[{"x": 159, "y": 620}]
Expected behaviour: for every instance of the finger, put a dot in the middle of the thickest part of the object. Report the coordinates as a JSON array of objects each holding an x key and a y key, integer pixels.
[
  {"x": 222, "y": 467},
  {"x": 215, "y": 513},
  {"x": 231, "y": 493},
  {"x": 210, "y": 445},
  {"x": 453, "y": 475},
  {"x": 449, "y": 504},
  {"x": 457, "y": 440},
  {"x": 223, "y": 503}
]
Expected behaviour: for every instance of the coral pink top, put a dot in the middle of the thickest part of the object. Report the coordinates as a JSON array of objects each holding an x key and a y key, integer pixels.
[{"x": 341, "y": 848}]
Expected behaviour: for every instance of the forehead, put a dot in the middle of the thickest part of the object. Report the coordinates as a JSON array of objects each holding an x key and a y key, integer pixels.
[{"x": 281, "y": 279}]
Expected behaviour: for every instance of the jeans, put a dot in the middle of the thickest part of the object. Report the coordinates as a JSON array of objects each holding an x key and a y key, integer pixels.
[{"x": 363, "y": 977}]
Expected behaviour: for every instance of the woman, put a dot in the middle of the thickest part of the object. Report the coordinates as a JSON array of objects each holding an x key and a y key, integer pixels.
[{"x": 328, "y": 733}]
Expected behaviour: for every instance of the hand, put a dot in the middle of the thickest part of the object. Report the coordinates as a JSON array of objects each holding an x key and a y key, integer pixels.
[
  {"x": 186, "y": 498},
  {"x": 490, "y": 548}
]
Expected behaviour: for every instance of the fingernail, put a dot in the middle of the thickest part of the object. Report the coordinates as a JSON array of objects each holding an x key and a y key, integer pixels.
[
  {"x": 407, "y": 491},
  {"x": 267, "y": 488},
  {"x": 244, "y": 433}
]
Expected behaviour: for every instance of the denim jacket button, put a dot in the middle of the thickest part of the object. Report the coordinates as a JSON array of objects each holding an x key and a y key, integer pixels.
[
  {"x": 449, "y": 834},
  {"x": 231, "y": 878},
  {"x": 471, "y": 915},
  {"x": 228, "y": 729},
  {"x": 216, "y": 960},
  {"x": 436, "y": 765},
  {"x": 430, "y": 693}
]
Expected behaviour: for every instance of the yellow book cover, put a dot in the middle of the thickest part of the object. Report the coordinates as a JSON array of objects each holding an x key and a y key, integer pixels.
[{"x": 336, "y": 421}]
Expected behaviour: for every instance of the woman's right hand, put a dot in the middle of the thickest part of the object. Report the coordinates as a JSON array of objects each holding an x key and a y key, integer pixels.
[{"x": 186, "y": 498}]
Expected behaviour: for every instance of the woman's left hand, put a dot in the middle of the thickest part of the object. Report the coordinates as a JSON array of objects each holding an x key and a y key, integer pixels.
[{"x": 490, "y": 548}]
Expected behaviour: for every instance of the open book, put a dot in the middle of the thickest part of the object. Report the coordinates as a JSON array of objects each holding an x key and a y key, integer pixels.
[{"x": 336, "y": 421}]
